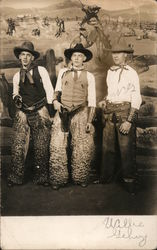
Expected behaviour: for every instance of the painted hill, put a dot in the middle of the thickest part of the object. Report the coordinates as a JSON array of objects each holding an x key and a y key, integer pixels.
[
  {"x": 147, "y": 12},
  {"x": 71, "y": 9}
]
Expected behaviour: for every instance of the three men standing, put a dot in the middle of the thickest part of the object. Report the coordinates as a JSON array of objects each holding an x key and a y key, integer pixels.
[{"x": 72, "y": 135}]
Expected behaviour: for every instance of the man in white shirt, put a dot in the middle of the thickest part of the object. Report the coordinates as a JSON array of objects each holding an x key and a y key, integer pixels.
[
  {"x": 120, "y": 107},
  {"x": 72, "y": 130},
  {"x": 32, "y": 91}
]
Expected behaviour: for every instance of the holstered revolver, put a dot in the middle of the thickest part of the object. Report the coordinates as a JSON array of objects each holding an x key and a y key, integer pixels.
[{"x": 65, "y": 119}]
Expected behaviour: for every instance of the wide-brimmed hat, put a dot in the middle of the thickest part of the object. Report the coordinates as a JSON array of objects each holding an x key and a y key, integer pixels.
[
  {"x": 121, "y": 45},
  {"x": 79, "y": 48},
  {"x": 26, "y": 46}
]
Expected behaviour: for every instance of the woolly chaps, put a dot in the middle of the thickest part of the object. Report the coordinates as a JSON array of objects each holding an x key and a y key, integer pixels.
[
  {"x": 38, "y": 125},
  {"x": 71, "y": 153}
]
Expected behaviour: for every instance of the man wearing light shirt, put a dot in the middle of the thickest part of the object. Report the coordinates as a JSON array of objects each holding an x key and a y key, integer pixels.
[
  {"x": 32, "y": 92},
  {"x": 120, "y": 108},
  {"x": 72, "y": 130}
]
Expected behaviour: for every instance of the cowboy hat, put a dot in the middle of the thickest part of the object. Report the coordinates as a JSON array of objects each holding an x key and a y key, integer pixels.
[
  {"x": 78, "y": 48},
  {"x": 121, "y": 45},
  {"x": 26, "y": 46}
]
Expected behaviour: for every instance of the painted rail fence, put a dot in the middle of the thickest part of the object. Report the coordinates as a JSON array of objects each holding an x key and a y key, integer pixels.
[{"x": 146, "y": 153}]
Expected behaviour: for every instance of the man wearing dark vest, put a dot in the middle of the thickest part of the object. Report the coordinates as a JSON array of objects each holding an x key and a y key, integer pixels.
[
  {"x": 75, "y": 101},
  {"x": 32, "y": 91}
]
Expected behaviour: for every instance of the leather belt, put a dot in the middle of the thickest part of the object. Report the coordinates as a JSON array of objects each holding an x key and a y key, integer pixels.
[
  {"x": 36, "y": 106},
  {"x": 113, "y": 107},
  {"x": 66, "y": 116}
]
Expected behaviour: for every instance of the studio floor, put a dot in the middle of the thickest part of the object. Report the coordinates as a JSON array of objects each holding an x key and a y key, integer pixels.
[{"x": 96, "y": 199}]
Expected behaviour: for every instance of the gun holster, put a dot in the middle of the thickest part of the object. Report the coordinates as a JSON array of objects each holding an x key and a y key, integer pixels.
[
  {"x": 65, "y": 119},
  {"x": 114, "y": 118}
]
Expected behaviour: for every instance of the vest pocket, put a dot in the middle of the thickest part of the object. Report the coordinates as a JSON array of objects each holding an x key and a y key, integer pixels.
[{"x": 66, "y": 83}]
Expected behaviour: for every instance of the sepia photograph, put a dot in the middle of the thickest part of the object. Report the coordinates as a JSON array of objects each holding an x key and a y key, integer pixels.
[{"x": 78, "y": 124}]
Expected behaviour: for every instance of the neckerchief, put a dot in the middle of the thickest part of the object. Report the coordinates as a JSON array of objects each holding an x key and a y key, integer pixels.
[
  {"x": 122, "y": 67},
  {"x": 26, "y": 72},
  {"x": 74, "y": 69}
]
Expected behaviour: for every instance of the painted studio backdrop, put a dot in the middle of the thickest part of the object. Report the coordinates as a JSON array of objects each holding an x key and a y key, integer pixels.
[{"x": 53, "y": 26}]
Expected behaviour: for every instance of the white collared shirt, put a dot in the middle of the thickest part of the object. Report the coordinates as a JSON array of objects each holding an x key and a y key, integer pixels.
[
  {"x": 91, "y": 85},
  {"x": 124, "y": 87},
  {"x": 45, "y": 80}
]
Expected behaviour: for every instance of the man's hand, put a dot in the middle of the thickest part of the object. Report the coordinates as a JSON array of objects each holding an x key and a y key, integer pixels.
[
  {"x": 18, "y": 101},
  {"x": 125, "y": 127},
  {"x": 57, "y": 105},
  {"x": 88, "y": 127},
  {"x": 102, "y": 104}
]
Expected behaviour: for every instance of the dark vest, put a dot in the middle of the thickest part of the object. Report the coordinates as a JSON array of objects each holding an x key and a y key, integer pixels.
[
  {"x": 74, "y": 92},
  {"x": 32, "y": 93}
]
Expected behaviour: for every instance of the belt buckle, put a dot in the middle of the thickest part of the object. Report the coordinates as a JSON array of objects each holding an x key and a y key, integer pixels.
[{"x": 31, "y": 108}]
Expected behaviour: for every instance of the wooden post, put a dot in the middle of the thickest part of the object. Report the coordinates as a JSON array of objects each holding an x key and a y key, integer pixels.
[
  {"x": 50, "y": 64},
  {"x": 6, "y": 98}
]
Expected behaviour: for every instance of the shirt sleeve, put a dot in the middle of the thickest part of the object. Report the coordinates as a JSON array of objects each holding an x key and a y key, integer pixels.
[
  {"x": 136, "y": 99},
  {"x": 46, "y": 84},
  {"x": 107, "y": 83},
  {"x": 59, "y": 79},
  {"x": 91, "y": 90},
  {"x": 16, "y": 80}
]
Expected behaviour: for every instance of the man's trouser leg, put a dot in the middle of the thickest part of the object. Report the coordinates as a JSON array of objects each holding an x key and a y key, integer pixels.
[
  {"x": 107, "y": 168},
  {"x": 19, "y": 148},
  {"x": 58, "y": 165},
  {"x": 41, "y": 140},
  {"x": 127, "y": 148},
  {"x": 83, "y": 147}
]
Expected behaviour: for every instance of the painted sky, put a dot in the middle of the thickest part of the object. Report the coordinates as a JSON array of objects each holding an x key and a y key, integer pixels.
[{"x": 106, "y": 4}]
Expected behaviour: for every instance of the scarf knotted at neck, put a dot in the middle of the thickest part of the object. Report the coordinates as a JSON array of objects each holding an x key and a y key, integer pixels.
[
  {"x": 122, "y": 67},
  {"x": 26, "y": 72},
  {"x": 74, "y": 69}
]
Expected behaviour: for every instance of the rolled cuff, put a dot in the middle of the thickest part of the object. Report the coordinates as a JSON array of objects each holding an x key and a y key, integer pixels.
[
  {"x": 91, "y": 114},
  {"x": 56, "y": 96},
  {"x": 133, "y": 115}
]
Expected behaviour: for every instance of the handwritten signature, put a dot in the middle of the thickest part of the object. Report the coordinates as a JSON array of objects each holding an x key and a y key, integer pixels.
[{"x": 125, "y": 228}]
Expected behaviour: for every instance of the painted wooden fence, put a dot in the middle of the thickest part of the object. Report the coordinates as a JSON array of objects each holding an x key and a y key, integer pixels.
[{"x": 146, "y": 126}]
